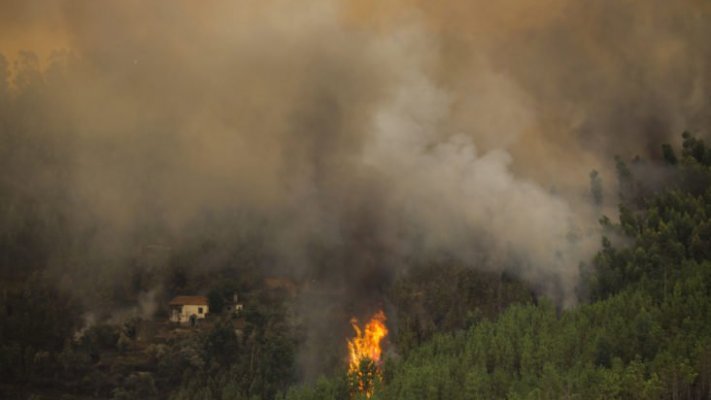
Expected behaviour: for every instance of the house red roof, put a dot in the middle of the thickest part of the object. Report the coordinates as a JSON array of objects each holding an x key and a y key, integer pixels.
[{"x": 189, "y": 300}]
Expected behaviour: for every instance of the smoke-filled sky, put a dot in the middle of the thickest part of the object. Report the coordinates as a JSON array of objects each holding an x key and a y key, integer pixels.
[{"x": 377, "y": 130}]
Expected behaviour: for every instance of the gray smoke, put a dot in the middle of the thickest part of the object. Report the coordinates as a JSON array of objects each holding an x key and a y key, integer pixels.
[{"x": 349, "y": 136}]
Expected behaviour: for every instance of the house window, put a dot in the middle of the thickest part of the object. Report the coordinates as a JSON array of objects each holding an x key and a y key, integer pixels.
[{"x": 199, "y": 310}]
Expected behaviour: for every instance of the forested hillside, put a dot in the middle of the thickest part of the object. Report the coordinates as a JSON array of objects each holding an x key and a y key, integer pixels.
[
  {"x": 355, "y": 199},
  {"x": 642, "y": 330}
]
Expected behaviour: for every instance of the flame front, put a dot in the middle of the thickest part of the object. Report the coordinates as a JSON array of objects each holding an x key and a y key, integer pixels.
[{"x": 364, "y": 350}]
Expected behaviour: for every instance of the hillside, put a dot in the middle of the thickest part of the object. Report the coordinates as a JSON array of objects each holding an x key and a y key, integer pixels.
[
  {"x": 355, "y": 199},
  {"x": 643, "y": 330}
]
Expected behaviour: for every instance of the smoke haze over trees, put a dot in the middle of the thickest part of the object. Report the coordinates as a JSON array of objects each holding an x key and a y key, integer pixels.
[
  {"x": 372, "y": 131},
  {"x": 144, "y": 145}
]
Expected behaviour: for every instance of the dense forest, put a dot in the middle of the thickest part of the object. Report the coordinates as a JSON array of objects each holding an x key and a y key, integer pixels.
[
  {"x": 641, "y": 329},
  {"x": 300, "y": 167}
]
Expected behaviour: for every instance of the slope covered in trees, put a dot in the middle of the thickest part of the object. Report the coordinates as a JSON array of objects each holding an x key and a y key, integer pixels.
[
  {"x": 642, "y": 328},
  {"x": 644, "y": 333}
]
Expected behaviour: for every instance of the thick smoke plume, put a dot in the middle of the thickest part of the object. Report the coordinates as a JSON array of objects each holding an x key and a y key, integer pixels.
[{"x": 354, "y": 136}]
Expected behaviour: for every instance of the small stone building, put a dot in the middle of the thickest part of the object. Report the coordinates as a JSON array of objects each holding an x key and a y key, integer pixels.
[
  {"x": 186, "y": 309},
  {"x": 234, "y": 307}
]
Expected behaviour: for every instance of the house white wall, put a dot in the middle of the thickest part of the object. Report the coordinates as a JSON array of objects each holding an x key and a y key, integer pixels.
[{"x": 182, "y": 313}]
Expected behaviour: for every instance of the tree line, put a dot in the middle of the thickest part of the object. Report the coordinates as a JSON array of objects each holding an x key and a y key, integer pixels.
[{"x": 642, "y": 332}]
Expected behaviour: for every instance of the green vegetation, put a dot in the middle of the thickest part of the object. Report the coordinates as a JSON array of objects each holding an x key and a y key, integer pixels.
[
  {"x": 642, "y": 329},
  {"x": 645, "y": 334},
  {"x": 250, "y": 356}
]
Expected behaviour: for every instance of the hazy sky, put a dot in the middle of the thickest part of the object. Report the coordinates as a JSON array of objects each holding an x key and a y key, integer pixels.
[{"x": 374, "y": 129}]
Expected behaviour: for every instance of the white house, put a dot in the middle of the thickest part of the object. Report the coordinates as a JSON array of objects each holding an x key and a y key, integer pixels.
[{"x": 184, "y": 309}]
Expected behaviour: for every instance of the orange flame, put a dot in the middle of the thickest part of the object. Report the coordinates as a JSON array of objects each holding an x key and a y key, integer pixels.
[{"x": 365, "y": 346}]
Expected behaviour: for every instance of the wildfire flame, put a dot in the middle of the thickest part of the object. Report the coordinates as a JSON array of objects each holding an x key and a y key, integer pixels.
[{"x": 365, "y": 347}]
